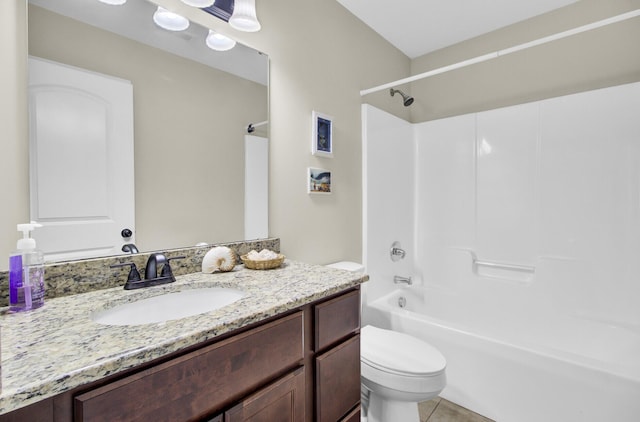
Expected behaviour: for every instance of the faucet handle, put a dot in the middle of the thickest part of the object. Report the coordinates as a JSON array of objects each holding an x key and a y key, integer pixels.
[
  {"x": 166, "y": 268},
  {"x": 134, "y": 275},
  {"x": 396, "y": 252},
  {"x": 130, "y": 248}
]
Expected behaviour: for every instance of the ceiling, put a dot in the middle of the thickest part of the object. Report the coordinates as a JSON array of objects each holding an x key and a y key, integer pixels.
[{"x": 418, "y": 27}]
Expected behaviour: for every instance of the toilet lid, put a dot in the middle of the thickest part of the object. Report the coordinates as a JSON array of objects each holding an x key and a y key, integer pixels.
[{"x": 400, "y": 353}]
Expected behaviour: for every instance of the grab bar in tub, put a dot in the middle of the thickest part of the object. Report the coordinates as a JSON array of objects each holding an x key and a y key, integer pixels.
[
  {"x": 512, "y": 267},
  {"x": 501, "y": 270}
]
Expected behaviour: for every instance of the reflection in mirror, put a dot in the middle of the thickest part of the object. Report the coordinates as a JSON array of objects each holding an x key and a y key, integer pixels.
[{"x": 191, "y": 108}]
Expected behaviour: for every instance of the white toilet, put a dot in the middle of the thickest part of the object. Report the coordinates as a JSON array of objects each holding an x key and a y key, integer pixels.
[{"x": 397, "y": 371}]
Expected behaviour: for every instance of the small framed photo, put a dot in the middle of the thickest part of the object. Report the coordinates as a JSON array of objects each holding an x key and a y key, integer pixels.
[
  {"x": 318, "y": 180},
  {"x": 322, "y": 137}
]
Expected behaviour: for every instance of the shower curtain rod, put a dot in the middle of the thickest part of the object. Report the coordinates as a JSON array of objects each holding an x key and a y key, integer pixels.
[{"x": 504, "y": 52}]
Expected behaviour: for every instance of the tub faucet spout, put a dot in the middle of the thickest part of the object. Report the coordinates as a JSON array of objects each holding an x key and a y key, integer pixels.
[{"x": 397, "y": 279}]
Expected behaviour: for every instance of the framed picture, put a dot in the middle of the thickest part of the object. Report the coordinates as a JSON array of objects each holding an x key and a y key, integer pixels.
[
  {"x": 322, "y": 137},
  {"x": 318, "y": 180}
]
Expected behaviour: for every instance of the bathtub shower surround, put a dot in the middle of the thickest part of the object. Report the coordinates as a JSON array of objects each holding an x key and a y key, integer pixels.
[
  {"x": 510, "y": 368},
  {"x": 526, "y": 225}
]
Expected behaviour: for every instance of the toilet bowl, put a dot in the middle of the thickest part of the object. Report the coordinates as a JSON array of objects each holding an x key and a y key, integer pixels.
[{"x": 397, "y": 370}]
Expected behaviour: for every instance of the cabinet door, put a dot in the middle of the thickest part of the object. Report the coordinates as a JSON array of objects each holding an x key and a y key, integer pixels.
[
  {"x": 282, "y": 401},
  {"x": 338, "y": 381},
  {"x": 337, "y": 319},
  {"x": 353, "y": 416},
  {"x": 199, "y": 383}
]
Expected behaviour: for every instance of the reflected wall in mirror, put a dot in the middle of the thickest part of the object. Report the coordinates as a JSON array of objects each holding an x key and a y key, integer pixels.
[{"x": 192, "y": 106}]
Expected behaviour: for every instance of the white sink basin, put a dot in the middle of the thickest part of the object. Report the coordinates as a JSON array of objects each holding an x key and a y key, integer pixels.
[{"x": 168, "y": 306}]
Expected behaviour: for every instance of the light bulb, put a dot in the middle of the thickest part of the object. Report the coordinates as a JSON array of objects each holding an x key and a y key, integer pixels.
[
  {"x": 199, "y": 3},
  {"x": 113, "y": 2},
  {"x": 244, "y": 16},
  {"x": 219, "y": 42},
  {"x": 169, "y": 20}
]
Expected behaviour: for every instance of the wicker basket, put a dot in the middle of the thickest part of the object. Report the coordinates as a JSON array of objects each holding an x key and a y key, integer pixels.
[{"x": 266, "y": 264}]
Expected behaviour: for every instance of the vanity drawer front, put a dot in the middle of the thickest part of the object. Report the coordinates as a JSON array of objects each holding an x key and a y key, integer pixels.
[
  {"x": 201, "y": 382},
  {"x": 338, "y": 381},
  {"x": 336, "y": 319},
  {"x": 353, "y": 416},
  {"x": 282, "y": 400}
]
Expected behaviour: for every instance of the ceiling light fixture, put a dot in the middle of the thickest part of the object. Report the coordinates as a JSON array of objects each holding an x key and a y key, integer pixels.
[
  {"x": 244, "y": 16},
  {"x": 169, "y": 20},
  {"x": 199, "y": 3},
  {"x": 113, "y": 2},
  {"x": 219, "y": 42}
]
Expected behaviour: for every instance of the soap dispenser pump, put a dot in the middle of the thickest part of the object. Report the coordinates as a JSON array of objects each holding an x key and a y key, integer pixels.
[{"x": 26, "y": 272}]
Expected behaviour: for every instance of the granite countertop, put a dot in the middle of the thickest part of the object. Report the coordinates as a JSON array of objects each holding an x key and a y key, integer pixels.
[{"x": 58, "y": 347}]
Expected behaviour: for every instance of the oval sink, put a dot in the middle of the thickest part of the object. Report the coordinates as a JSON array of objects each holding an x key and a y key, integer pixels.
[{"x": 167, "y": 307}]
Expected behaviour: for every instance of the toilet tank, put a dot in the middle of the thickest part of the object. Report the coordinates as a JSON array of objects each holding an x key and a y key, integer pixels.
[{"x": 349, "y": 266}]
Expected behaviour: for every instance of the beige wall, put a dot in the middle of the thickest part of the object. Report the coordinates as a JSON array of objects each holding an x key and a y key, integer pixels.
[
  {"x": 14, "y": 174},
  {"x": 599, "y": 58},
  {"x": 189, "y": 130},
  {"x": 321, "y": 57}
]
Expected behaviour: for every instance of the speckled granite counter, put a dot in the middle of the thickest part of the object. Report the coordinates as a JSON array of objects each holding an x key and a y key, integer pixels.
[
  {"x": 86, "y": 275},
  {"x": 59, "y": 347}
]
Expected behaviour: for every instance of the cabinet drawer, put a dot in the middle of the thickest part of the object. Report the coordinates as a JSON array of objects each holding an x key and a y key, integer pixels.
[
  {"x": 198, "y": 383},
  {"x": 336, "y": 319},
  {"x": 282, "y": 400},
  {"x": 338, "y": 381},
  {"x": 41, "y": 411},
  {"x": 353, "y": 416}
]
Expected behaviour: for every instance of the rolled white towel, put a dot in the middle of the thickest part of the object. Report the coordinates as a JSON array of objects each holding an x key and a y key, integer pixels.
[{"x": 263, "y": 255}]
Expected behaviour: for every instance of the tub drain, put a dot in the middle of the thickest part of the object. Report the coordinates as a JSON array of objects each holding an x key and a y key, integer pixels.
[{"x": 402, "y": 301}]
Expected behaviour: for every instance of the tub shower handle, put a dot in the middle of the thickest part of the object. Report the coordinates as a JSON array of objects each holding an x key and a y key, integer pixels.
[
  {"x": 396, "y": 252},
  {"x": 397, "y": 279}
]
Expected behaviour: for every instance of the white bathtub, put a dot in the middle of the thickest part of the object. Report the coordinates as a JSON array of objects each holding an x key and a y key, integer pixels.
[{"x": 511, "y": 368}]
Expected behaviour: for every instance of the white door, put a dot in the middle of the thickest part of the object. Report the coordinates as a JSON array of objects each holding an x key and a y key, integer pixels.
[
  {"x": 81, "y": 160},
  {"x": 256, "y": 187}
]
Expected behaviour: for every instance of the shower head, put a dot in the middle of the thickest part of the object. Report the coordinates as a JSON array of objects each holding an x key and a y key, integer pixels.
[{"x": 408, "y": 100}]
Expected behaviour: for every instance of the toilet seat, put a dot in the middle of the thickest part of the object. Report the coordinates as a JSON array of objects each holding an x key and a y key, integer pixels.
[
  {"x": 399, "y": 354},
  {"x": 397, "y": 372}
]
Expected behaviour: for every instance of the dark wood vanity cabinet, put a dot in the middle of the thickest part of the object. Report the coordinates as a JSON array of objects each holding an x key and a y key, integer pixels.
[
  {"x": 190, "y": 386},
  {"x": 301, "y": 367},
  {"x": 337, "y": 358}
]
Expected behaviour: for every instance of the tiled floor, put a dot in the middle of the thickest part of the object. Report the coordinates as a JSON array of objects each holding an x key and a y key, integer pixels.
[{"x": 441, "y": 410}]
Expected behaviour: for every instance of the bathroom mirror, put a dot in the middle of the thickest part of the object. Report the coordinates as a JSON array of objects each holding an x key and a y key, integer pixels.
[{"x": 191, "y": 105}]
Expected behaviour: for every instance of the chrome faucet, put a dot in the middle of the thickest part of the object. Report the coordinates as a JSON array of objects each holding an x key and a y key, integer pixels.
[{"x": 397, "y": 279}]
